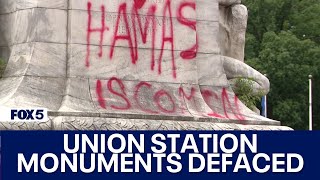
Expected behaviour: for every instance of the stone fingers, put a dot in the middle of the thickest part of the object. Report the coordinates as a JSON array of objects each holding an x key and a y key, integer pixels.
[{"x": 237, "y": 69}]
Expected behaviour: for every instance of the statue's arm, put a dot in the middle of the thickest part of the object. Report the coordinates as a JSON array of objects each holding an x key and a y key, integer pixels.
[{"x": 237, "y": 69}]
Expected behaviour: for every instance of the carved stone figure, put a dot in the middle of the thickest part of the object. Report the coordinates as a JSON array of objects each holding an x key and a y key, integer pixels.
[{"x": 142, "y": 64}]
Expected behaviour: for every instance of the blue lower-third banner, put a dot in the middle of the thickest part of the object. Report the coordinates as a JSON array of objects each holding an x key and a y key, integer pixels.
[{"x": 161, "y": 155}]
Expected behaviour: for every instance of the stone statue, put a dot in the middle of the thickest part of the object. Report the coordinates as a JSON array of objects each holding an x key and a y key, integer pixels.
[
  {"x": 128, "y": 64},
  {"x": 233, "y": 25}
]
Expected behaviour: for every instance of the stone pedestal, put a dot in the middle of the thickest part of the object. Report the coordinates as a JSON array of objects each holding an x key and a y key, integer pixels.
[{"x": 125, "y": 64}]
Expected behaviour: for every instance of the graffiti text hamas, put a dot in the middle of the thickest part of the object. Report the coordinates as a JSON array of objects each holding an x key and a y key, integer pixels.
[{"x": 136, "y": 29}]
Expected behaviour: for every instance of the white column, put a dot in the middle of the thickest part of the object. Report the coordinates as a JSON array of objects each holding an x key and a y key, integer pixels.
[
  {"x": 265, "y": 103},
  {"x": 310, "y": 102}
]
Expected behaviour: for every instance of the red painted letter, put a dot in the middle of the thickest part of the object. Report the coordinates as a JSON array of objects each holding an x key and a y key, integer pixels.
[
  {"x": 192, "y": 52},
  {"x": 207, "y": 96},
  {"x": 99, "y": 94},
  {"x": 157, "y": 99},
  {"x": 123, "y": 95},
  {"x": 144, "y": 31},
  {"x": 226, "y": 101},
  {"x": 136, "y": 96},
  {"x": 123, "y": 12},
  {"x": 168, "y": 39},
  {"x": 183, "y": 94},
  {"x": 90, "y": 30}
]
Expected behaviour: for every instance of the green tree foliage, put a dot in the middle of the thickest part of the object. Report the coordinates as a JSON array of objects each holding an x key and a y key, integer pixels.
[
  {"x": 305, "y": 21},
  {"x": 243, "y": 88},
  {"x": 283, "y": 41}
]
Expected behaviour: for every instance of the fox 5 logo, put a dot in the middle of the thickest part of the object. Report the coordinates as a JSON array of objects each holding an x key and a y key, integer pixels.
[{"x": 24, "y": 115}]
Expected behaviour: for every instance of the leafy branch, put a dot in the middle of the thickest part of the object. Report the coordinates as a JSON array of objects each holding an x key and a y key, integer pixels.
[{"x": 243, "y": 88}]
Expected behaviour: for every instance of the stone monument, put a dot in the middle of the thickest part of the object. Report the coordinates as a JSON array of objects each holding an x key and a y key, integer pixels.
[{"x": 128, "y": 64}]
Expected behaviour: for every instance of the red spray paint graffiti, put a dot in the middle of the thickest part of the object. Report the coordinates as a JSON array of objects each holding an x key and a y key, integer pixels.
[
  {"x": 167, "y": 31},
  {"x": 157, "y": 99},
  {"x": 91, "y": 30},
  {"x": 136, "y": 97},
  {"x": 116, "y": 37},
  {"x": 192, "y": 52},
  {"x": 184, "y": 95},
  {"x": 226, "y": 102},
  {"x": 99, "y": 94},
  {"x": 229, "y": 109},
  {"x": 163, "y": 101},
  {"x": 209, "y": 98},
  {"x": 191, "y": 97},
  {"x": 139, "y": 3},
  {"x": 122, "y": 95},
  {"x": 168, "y": 39},
  {"x": 143, "y": 31}
]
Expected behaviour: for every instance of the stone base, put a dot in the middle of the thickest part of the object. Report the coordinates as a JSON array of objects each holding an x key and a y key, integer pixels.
[{"x": 84, "y": 121}]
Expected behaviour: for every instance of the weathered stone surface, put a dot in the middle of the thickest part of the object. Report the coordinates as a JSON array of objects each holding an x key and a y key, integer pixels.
[
  {"x": 10, "y": 6},
  {"x": 4, "y": 53},
  {"x": 233, "y": 25},
  {"x": 229, "y": 2},
  {"x": 82, "y": 123},
  {"x": 38, "y": 60},
  {"x": 112, "y": 7},
  {"x": 109, "y": 65},
  {"x": 27, "y": 126}
]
